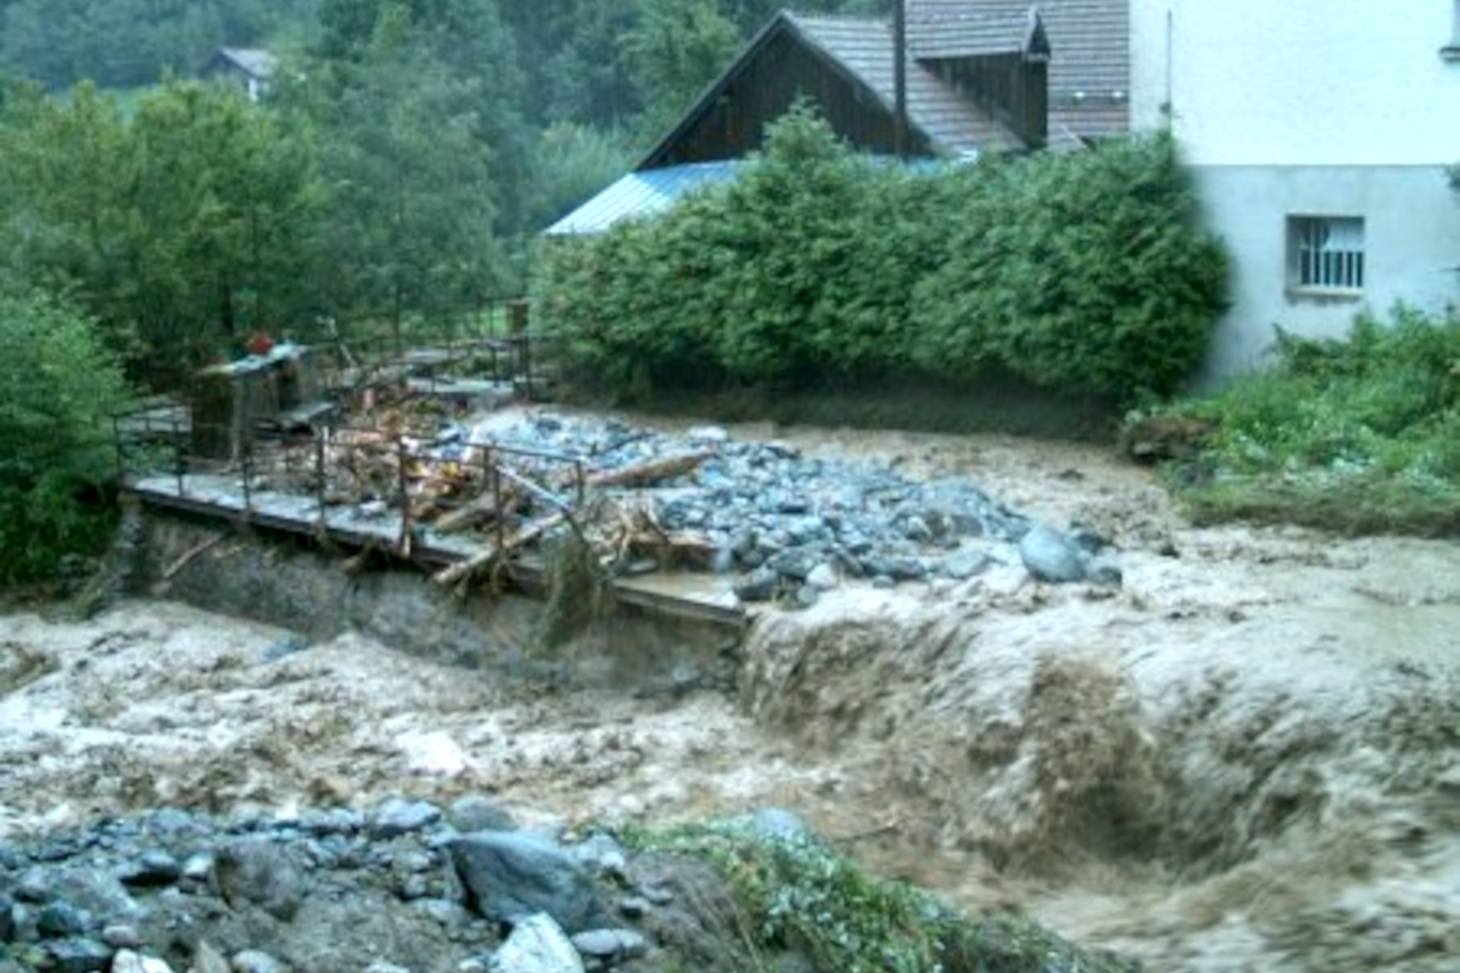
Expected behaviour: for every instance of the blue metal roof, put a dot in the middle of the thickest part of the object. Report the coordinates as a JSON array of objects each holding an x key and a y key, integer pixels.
[{"x": 641, "y": 194}]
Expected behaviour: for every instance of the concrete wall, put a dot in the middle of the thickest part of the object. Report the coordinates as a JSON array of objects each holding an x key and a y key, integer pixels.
[
  {"x": 1412, "y": 238},
  {"x": 1310, "y": 107}
]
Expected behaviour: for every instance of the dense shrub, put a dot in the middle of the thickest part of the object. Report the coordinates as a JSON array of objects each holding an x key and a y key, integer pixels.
[
  {"x": 1362, "y": 433},
  {"x": 58, "y": 389},
  {"x": 1080, "y": 272}
]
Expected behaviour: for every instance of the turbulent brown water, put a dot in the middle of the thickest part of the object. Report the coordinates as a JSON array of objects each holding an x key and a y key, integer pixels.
[{"x": 1248, "y": 758}]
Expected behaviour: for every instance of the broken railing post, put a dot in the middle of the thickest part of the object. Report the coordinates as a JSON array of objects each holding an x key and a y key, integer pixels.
[
  {"x": 493, "y": 470},
  {"x": 319, "y": 484},
  {"x": 247, "y": 469},
  {"x": 403, "y": 543}
]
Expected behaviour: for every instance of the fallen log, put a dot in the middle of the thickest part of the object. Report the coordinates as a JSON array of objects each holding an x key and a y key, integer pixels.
[
  {"x": 650, "y": 471},
  {"x": 479, "y": 510},
  {"x": 190, "y": 555},
  {"x": 465, "y": 569}
]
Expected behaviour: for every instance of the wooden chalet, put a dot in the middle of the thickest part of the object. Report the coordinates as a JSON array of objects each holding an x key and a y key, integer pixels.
[{"x": 979, "y": 76}]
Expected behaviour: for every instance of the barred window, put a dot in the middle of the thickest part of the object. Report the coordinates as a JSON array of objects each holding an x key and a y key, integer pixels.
[{"x": 1327, "y": 252}]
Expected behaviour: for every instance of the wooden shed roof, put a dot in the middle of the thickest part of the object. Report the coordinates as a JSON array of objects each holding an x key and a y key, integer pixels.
[
  {"x": 1089, "y": 70},
  {"x": 975, "y": 33},
  {"x": 860, "y": 49},
  {"x": 953, "y": 122}
]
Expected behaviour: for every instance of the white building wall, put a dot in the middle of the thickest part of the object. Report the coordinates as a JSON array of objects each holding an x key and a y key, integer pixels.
[
  {"x": 1299, "y": 82},
  {"x": 1345, "y": 108}
]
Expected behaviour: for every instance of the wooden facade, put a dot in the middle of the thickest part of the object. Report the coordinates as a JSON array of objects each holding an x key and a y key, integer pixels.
[{"x": 782, "y": 71}]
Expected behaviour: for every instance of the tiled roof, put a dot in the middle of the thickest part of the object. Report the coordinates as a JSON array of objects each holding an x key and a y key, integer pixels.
[
  {"x": 863, "y": 47},
  {"x": 1089, "y": 72},
  {"x": 641, "y": 194},
  {"x": 972, "y": 34}
]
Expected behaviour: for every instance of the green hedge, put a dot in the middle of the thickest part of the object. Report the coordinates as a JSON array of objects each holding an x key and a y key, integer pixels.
[{"x": 1082, "y": 272}]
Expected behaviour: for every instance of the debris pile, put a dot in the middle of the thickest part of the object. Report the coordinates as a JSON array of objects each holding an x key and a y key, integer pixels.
[{"x": 788, "y": 526}]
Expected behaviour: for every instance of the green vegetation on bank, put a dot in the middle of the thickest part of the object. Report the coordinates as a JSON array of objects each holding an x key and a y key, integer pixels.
[
  {"x": 59, "y": 386},
  {"x": 794, "y": 896},
  {"x": 1360, "y": 435},
  {"x": 1082, "y": 273}
]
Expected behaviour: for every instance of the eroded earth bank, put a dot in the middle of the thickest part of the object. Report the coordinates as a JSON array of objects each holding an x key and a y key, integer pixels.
[{"x": 1244, "y": 757}]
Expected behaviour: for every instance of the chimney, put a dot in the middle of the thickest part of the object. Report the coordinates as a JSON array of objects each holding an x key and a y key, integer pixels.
[{"x": 899, "y": 78}]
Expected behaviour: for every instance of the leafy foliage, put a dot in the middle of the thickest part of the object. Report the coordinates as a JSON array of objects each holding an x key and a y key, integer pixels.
[
  {"x": 1080, "y": 272},
  {"x": 799, "y": 896},
  {"x": 58, "y": 389},
  {"x": 1361, "y": 434},
  {"x": 124, "y": 43},
  {"x": 178, "y": 224}
]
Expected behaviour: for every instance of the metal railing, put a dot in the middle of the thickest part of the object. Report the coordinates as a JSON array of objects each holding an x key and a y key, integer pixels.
[{"x": 305, "y": 478}]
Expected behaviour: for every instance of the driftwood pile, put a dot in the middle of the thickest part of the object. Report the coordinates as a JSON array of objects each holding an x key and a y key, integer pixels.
[{"x": 512, "y": 499}]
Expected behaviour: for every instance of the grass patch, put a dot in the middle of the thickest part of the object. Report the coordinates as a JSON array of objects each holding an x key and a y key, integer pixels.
[
  {"x": 1358, "y": 436},
  {"x": 797, "y": 896}
]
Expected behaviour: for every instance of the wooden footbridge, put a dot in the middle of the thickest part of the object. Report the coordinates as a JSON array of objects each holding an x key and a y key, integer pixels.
[{"x": 260, "y": 455}]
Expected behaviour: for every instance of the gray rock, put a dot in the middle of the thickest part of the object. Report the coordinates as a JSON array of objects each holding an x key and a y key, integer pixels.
[
  {"x": 449, "y": 914},
  {"x": 777, "y": 822},
  {"x": 283, "y": 648},
  {"x": 254, "y": 961},
  {"x": 395, "y": 817},
  {"x": 119, "y": 936},
  {"x": 634, "y": 907},
  {"x": 78, "y": 955},
  {"x": 611, "y": 946},
  {"x": 198, "y": 868},
  {"x": 808, "y": 595},
  {"x": 600, "y": 854},
  {"x": 255, "y": 872},
  {"x": 126, "y": 961},
  {"x": 1106, "y": 574},
  {"x": 207, "y": 959},
  {"x": 150, "y": 869},
  {"x": 759, "y": 585},
  {"x": 1050, "y": 556},
  {"x": 537, "y": 945},
  {"x": 477, "y": 813},
  {"x": 964, "y": 564},
  {"x": 794, "y": 565},
  {"x": 34, "y": 886},
  {"x": 96, "y": 891},
  {"x": 823, "y": 577},
  {"x": 1087, "y": 540},
  {"x": 896, "y": 568},
  {"x": 510, "y": 875},
  {"x": 335, "y": 821},
  {"x": 61, "y": 919},
  {"x": 916, "y": 529}
]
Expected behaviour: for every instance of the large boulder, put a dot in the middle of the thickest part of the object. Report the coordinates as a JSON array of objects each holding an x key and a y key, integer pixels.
[
  {"x": 510, "y": 875},
  {"x": 1052, "y": 556},
  {"x": 259, "y": 873}
]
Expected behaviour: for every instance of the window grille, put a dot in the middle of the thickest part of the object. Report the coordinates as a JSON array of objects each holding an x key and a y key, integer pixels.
[{"x": 1329, "y": 252}]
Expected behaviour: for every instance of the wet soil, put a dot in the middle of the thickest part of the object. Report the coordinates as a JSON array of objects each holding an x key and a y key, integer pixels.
[{"x": 1247, "y": 758}]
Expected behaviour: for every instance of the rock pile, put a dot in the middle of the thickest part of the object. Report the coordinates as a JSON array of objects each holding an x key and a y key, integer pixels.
[
  {"x": 792, "y": 526},
  {"x": 410, "y": 886}
]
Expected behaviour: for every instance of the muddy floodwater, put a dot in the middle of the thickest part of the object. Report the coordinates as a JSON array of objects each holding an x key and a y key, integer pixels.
[{"x": 1247, "y": 757}]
